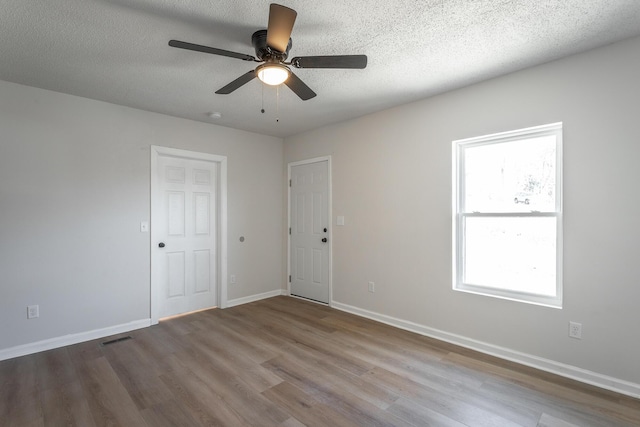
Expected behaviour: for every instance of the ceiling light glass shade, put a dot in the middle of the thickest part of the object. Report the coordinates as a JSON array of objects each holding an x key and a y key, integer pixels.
[{"x": 272, "y": 74}]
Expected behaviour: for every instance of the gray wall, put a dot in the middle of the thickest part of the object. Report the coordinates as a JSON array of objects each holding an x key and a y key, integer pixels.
[
  {"x": 74, "y": 186},
  {"x": 392, "y": 182}
]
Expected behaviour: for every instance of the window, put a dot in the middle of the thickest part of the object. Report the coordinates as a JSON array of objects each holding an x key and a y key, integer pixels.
[{"x": 507, "y": 215}]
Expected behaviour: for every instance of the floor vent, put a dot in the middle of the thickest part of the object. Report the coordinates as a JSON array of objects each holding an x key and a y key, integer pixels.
[{"x": 115, "y": 341}]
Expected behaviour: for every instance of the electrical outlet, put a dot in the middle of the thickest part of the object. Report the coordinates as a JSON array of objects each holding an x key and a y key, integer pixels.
[
  {"x": 372, "y": 287},
  {"x": 33, "y": 311},
  {"x": 233, "y": 278},
  {"x": 575, "y": 330}
]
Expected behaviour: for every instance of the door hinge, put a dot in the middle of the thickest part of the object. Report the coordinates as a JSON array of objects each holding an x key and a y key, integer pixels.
[
  {"x": 289, "y": 278},
  {"x": 289, "y": 183},
  {"x": 289, "y": 231}
]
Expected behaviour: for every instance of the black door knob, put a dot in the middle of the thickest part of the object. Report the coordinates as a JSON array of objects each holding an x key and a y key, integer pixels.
[
  {"x": 325, "y": 230},
  {"x": 324, "y": 240},
  {"x": 161, "y": 245}
]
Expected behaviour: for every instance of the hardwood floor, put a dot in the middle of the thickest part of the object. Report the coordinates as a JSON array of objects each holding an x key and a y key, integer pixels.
[{"x": 287, "y": 362}]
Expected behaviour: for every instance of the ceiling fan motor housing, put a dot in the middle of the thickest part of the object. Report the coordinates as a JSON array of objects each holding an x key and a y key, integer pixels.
[{"x": 264, "y": 52}]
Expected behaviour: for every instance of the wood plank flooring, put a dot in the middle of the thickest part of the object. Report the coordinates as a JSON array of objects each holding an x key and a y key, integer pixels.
[{"x": 287, "y": 362}]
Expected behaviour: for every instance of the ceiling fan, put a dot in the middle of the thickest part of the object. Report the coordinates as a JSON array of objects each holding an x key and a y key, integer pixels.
[{"x": 272, "y": 49}]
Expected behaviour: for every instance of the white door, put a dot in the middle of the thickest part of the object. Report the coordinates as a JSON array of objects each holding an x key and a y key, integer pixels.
[
  {"x": 184, "y": 246},
  {"x": 309, "y": 220}
]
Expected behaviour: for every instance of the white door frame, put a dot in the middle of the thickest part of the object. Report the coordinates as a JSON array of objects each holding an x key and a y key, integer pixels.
[
  {"x": 330, "y": 225},
  {"x": 156, "y": 152}
]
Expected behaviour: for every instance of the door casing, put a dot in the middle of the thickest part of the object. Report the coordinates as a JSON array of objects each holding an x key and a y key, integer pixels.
[
  {"x": 156, "y": 152},
  {"x": 326, "y": 159}
]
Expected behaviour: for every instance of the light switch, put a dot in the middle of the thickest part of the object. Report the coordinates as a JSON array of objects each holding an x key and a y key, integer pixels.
[
  {"x": 340, "y": 220},
  {"x": 144, "y": 227}
]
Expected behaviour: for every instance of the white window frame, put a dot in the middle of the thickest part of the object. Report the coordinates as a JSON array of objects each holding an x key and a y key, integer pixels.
[{"x": 459, "y": 214}]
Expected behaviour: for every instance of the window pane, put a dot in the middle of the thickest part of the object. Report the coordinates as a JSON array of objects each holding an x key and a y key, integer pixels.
[
  {"x": 516, "y": 254},
  {"x": 516, "y": 176}
]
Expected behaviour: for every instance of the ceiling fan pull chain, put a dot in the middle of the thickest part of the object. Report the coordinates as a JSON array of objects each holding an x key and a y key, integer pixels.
[
  {"x": 262, "y": 106},
  {"x": 277, "y": 104}
]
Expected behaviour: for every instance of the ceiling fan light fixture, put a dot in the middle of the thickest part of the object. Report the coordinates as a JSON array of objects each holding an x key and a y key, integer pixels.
[{"x": 272, "y": 74}]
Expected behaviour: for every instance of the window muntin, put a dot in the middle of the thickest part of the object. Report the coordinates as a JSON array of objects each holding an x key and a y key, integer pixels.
[{"x": 507, "y": 215}]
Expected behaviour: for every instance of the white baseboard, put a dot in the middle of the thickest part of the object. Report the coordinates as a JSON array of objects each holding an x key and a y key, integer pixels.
[
  {"x": 49, "y": 344},
  {"x": 593, "y": 378},
  {"x": 257, "y": 297}
]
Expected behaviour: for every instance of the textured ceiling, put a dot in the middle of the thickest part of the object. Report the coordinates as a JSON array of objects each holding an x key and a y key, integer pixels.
[{"x": 116, "y": 51}]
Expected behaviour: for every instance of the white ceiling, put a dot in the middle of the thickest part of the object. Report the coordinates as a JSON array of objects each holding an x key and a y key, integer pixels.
[{"x": 116, "y": 51}]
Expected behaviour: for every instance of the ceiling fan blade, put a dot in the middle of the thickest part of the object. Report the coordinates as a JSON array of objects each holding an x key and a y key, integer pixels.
[
  {"x": 240, "y": 81},
  {"x": 212, "y": 50},
  {"x": 299, "y": 87},
  {"x": 334, "y": 61},
  {"x": 281, "y": 20}
]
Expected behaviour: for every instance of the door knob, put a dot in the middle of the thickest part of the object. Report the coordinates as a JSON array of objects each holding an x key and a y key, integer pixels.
[
  {"x": 324, "y": 240},
  {"x": 161, "y": 245},
  {"x": 325, "y": 230}
]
